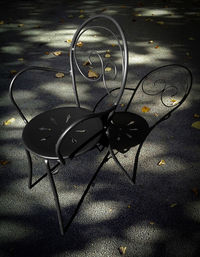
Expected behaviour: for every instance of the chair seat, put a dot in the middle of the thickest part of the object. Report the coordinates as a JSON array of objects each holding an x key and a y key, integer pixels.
[{"x": 40, "y": 135}]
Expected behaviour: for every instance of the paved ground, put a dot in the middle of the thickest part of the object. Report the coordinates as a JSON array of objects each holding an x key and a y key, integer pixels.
[{"x": 160, "y": 215}]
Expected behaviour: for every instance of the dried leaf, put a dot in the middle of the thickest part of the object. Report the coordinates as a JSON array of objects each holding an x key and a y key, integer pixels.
[
  {"x": 47, "y": 53},
  {"x": 3, "y": 162},
  {"x": 156, "y": 114},
  {"x": 151, "y": 41},
  {"x": 156, "y": 47},
  {"x": 196, "y": 115},
  {"x": 195, "y": 191},
  {"x": 113, "y": 45},
  {"x": 13, "y": 72},
  {"x": 174, "y": 101},
  {"x": 107, "y": 55},
  {"x": 57, "y": 53},
  {"x": 79, "y": 44},
  {"x": 20, "y": 59},
  {"x": 161, "y": 162},
  {"x": 196, "y": 124},
  {"x": 92, "y": 74},
  {"x": 138, "y": 14},
  {"x": 149, "y": 19},
  {"x": 173, "y": 205},
  {"x": 129, "y": 206},
  {"x": 151, "y": 223},
  {"x": 68, "y": 41},
  {"x": 20, "y": 25},
  {"x": 1, "y": 22},
  {"x": 145, "y": 109},
  {"x": 122, "y": 250},
  {"x": 60, "y": 75},
  {"x": 86, "y": 63},
  {"x": 8, "y": 122},
  {"x": 82, "y": 16},
  {"x": 160, "y": 22},
  {"x": 122, "y": 105},
  {"x": 107, "y": 69}
]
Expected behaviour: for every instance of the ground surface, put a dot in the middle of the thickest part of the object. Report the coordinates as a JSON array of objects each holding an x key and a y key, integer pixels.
[{"x": 160, "y": 215}]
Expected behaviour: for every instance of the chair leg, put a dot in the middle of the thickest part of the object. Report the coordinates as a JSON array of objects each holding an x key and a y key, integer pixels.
[
  {"x": 30, "y": 172},
  {"x": 55, "y": 194}
]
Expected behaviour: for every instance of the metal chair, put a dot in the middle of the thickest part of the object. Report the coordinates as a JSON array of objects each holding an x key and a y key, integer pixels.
[{"x": 66, "y": 132}]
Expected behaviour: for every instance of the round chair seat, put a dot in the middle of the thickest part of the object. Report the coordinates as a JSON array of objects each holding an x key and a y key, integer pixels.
[{"x": 41, "y": 134}]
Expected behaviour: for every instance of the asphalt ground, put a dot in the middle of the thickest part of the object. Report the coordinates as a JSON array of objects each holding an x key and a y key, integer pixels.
[{"x": 160, "y": 215}]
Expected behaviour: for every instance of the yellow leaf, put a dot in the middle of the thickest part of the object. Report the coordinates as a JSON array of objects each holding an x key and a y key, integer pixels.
[
  {"x": 68, "y": 41},
  {"x": 138, "y": 14},
  {"x": 156, "y": 47},
  {"x": 151, "y": 223},
  {"x": 151, "y": 41},
  {"x": 60, "y": 75},
  {"x": 174, "y": 101},
  {"x": 156, "y": 114},
  {"x": 196, "y": 124},
  {"x": 2, "y": 162},
  {"x": 20, "y": 59},
  {"x": 129, "y": 206},
  {"x": 8, "y": 122},
  {"x": 86, "y": 63},
  {"x": 108, "y": 69},
  {"x": 13, "y": 72},
  {"x": 196, "y": 115},
  {"x": 195, "y": 191},
  {"x": 145, "y": 109},
  {"x": 92, "y": 74},
  {"x": 173, "y": 205},
  {"x": 122, "y": 250},
  {"x": 161, "y": 162},
  {"x": 47, "y": 53},
  {"x": 110, "y": 210},
  {"x": 113, "y": 45},
  {"x": 79, "y": 44},
  {"x": 160, "y": 22},
  {"x": 57, "y": 53},
  {"x": 107, "y": 55},
  {"x": 1, "y": 22},
  {"x": 20, "y": 25},
  {"x": 82, "y": 16}
]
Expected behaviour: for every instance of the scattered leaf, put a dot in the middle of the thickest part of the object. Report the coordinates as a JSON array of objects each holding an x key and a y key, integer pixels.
[
  {"x": 60, "y": 75},
  {"x": 57, "y": 53},
  {"x": 113, "y": 45},
  {"x": 82, "y": 16},
  {"x": 107, "y": 55},
  {"x": 1, "y": 22},
  {"x": 47, "y": 53},
  {"x": 151, "y": 223},
  {"x": 3, "y": 162},
  {"x": 195, "y": 191},
  {"x": 173, "y": 205},
  {"x": 13, "y": 72},
  {"x": 92, "y": 74},
  {"x": 196, "y": 124},
  {"x": 122, "y": 105},
  {"x": 160, "y": 22},
  {"x": 107, "y": 69},
  {"x": 68, "y": 41},
  {"x": 79, "y": 44},
  {"x": 110, "y": 210},
  {"x": 156, "y": 47},
  {"x": 20, "y": 59},
  {"x": 137, "y": 14},
  {"x": 86, "y": 63},
  {"x": 20, "y": 25},
  {"x": 151, "y": 41},
  {"x": 156, "y": 114},
  {"x": 8, "y": 122},
  {"x": 145, "y": 109},
  {"x": 161, "y": 162},
  {"x": 196, "y": 115},
  {"x": 149, "y": 19},
  {"x": 174, "y": 101},
  {"x": 122, "y": 250},
  {"x": 129, "y": 206}
]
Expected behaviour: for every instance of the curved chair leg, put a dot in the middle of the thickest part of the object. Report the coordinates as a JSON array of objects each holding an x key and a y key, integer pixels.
[
  {"x": 55, "y": 194},
  {"x": 119, "y": 164},
  {"x": 136, "y": 162},
  {"x": 30, "y": 172}
]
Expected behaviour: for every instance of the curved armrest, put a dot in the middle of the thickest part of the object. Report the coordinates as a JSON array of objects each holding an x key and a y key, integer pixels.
[
  {"x": 17, "y": 75},
  {"x": 75, "y": 123}
]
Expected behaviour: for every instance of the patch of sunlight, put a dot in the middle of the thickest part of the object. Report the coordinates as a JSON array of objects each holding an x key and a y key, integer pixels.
[
  {"x": 101, "y": 211},
  {"x": 155, "y": 12},
  {"x": 192, "y": 210},
  {"x": 145, "y": 233},
  {"x": 14, "y": 49}
]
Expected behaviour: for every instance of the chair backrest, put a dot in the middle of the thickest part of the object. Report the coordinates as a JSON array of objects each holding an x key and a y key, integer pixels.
[{"x": 99, "y": 55}]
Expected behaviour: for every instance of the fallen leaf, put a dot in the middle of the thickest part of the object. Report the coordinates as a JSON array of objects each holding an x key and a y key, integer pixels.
[
  {"x": 57, "y": 53},
  {"x": 47, "y": 53},
  {"x": 151, "y": 42},
  {"x": 110, "y": 210},
  {"x": 20, "y": 59},
  {"x": 3, "y": 163},
  {"x": 20, "y": 25},
  {"x": 79, "y": 44},
  {"x": 156, "y": 114},
  {"x": 173, "y": 205},
  {"x": 86, "y": 63},
  {"x": 156, "y": 47},
  {"x": 82, "y": 16},
  {"x": 160, "y": 22},
  {"x": 1, "y": 22},
  {"x": 122, "y": 250},
  {"x": 138, "y": 14},
  {"x": 113, "y": 45},
  {"x": 196, "y": 124},
  {"x": 13, "y": 72},
  {"x": 145, "y": 109},
  {"x": 107, "y": 69},
  {"x": 107, "y": 55},
  {"x": 60, "y": 75},
  {"x": 195, "y": 191},
  {"x": 174, "y": 101},
  {"x": 149, "y": 19},
  {"x": 92, "y": 74},
  {"x": 151, "y": 223},
  {"x": 68, "y": 41},
  {"x": 8, "y": 122},
  {"x": 196, "y": 115},
  {"x": 161, "y": 162},
  {"x": 129, "y": 206}
]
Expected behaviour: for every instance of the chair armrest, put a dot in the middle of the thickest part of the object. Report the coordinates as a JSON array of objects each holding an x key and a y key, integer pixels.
[
  {"x": 75, "y": 123},
  {"x": 17, "y": 75}
]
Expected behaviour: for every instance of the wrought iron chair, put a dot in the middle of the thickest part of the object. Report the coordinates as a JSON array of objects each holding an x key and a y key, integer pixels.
[
  {"x": 66, "y": 132},
  {"x": 157, "y": 95}
]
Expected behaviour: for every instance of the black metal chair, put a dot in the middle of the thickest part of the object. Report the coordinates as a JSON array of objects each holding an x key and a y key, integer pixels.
[
  {"x": 157, "y": 95},
  {"x": 66, "y": 132}
]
